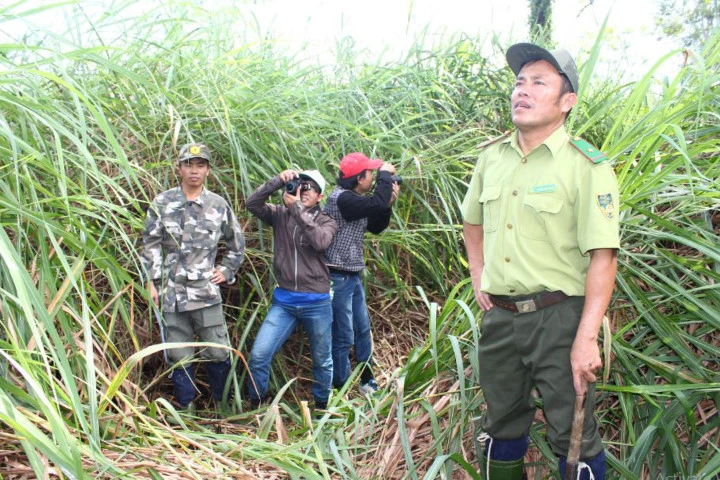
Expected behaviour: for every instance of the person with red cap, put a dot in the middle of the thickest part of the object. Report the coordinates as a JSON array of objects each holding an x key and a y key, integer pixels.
[{"x": 355, "y": 212}]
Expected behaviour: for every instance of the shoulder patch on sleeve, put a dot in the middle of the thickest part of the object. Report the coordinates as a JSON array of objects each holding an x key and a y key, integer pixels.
[
  {"x": 588, "y": 150},
  {"x": 496, "y": 139}
]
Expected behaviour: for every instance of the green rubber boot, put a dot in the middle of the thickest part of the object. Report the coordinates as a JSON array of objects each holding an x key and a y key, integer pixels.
[{"x": 500, "y": 470}]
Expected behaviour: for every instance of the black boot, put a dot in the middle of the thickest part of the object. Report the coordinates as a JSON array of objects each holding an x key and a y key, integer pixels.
[
  {"x": 185, "y": 390},
  {"x": 217, "y": 373},
  {"x": 596, "y": 465}
]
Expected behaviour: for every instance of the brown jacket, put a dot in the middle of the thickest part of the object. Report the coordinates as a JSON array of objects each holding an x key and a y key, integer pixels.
[{"x": 301, "y": 237}]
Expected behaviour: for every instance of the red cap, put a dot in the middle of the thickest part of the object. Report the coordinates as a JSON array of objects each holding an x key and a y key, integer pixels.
[{"x": 354, "y": 163}]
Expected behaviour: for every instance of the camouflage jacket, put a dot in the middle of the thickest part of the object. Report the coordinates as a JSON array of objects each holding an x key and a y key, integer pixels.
[{"x": 181, "y": 240}]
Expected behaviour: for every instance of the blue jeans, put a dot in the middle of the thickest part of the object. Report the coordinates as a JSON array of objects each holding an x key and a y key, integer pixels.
[
  {"x": 351, "y": 326},
  {"x": 279, "y": 324}
]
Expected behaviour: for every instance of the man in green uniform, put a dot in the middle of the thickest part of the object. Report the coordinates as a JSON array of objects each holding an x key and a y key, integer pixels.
[
  {"x": 540, "y": 222},
  {"x": 183, "y": 230}
]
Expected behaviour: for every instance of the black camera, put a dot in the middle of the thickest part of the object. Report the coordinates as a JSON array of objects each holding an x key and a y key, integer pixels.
[
  {"x": 293, "y": 185},
  {"x": 396, "y": 179}
]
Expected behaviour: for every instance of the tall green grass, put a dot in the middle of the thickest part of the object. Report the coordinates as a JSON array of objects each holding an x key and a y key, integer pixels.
[{"x": 89, "y": 127}]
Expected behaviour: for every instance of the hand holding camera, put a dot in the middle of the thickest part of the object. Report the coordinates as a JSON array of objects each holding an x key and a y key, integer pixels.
[
  {"x": 287, "y": 175},
  {"x": 291, "y": 182},
  {"x": 293, "y": 185},
  {"x": 389, "y": 167}
]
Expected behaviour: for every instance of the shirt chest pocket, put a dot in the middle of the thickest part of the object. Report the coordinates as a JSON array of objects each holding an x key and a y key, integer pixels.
[
  {"x": 540, "y": 216},
  {"x": 172, "y": 237},
  {"x": 206, "y": 234},
  {"x": 490, "y": 200}
]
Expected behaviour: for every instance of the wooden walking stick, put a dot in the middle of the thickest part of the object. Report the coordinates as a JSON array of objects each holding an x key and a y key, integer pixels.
[{"x": 573, "y": 456}]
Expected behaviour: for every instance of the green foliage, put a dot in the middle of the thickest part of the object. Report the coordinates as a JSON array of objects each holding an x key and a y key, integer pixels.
[
  {"x": 88, "y": 133},
  {"x": 692, "y": 21}
]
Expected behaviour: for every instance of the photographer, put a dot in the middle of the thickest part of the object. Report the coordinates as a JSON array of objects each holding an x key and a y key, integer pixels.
[
  {"x": 355, "y": 212},
  {"x": 301, "y": 233}
]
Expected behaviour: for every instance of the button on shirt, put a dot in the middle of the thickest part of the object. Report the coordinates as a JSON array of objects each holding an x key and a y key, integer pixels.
[
  {"x": 186, "y": 233},
  {"x": 541, "y": 214}
]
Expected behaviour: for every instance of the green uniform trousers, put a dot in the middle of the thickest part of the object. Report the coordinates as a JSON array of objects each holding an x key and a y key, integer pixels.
[
  {"x": 209, "y": 326},
  {"x": 520, "y": 350}
]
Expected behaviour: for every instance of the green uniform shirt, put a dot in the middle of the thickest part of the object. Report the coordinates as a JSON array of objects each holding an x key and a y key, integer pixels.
[{"x": 541, "y": 214}]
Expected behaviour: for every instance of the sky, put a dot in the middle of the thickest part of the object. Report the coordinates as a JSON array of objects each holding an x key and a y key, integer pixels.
[{"x": 386, "y": 28}]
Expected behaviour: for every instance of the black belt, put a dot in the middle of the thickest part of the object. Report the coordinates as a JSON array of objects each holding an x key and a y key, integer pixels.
[
  {"x": 528, "y": 304},
  {"x": 341, "y": 272}
]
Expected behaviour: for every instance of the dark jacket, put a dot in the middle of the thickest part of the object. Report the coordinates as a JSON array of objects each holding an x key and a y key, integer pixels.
[
  {"x": 354, "y": 214},
  {"x": 301, "y": 237}
]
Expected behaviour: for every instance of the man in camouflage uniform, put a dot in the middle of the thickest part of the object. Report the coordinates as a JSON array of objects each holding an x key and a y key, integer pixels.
[{"x": 183, "y": 228}]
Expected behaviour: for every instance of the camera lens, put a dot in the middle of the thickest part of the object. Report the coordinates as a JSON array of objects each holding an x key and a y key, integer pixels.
[
  {"x": 396, "y": 179},
  {"x": 292, "y": 185}
]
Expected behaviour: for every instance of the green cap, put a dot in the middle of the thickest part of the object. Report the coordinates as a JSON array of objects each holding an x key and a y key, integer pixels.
[
  {"x": 194, "y": 150},
  {"x": 521, "y": 53}
]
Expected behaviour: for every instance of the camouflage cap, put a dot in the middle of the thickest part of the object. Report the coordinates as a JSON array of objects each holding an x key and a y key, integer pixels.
[{"x": 194, "y": 150}]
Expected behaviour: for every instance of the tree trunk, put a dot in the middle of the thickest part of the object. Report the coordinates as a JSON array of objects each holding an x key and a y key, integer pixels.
[{"x": 540, "y": 21}]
